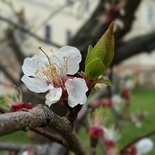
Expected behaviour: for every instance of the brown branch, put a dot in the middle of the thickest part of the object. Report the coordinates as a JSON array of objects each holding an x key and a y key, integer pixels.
[
  {"x": 53, "y": 14},
  {"x": 28, "y": 32},
  {"x": 3, "y": 110},
  {"x": 8, "y": 75},
  {"x": 12, "y": 146},
  {"x": 39, "y": 116},
  {"x": 15, "y": 47},
  {"x": 134, "y": 46},
  {"x": 47, "y": 149},
  {"x": 11, "y": 122},
  {"x": 136, "y": 140},
  {"x": 49, "y": 135}
]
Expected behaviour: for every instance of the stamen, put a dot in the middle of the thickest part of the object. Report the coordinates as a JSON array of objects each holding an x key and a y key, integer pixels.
[
  {"x": 45, "y": 55},
  {"x": 52, "y": 73}
]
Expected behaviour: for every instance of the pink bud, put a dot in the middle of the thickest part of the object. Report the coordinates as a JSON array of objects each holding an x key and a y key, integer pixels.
[
  {"x": 109, "y": 143},
  {"x": 131, "y": 150},
  {"x": 18, "y": 106},
  {"x": 95, "y": 131}
]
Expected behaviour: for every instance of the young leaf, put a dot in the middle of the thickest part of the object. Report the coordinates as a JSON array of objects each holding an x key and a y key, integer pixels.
[
  {"x": 104, "y": 49},
  {"x": 106, "y": 81},
  {"x": 90, "y": 48},
  {"x": 95, "y": 68}
]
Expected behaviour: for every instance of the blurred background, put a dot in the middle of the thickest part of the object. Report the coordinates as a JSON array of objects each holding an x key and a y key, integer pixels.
[{"x": 26, "y": 25}]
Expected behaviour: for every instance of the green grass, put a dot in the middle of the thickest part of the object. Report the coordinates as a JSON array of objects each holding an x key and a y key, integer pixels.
[
  {"x": 17, "y": 137},
  {"x": 142, "y": 100}
]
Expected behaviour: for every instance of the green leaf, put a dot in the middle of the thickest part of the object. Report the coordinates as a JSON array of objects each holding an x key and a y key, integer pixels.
[
  {"x": 104, "y": 49},
  {"x": 95, "y": 68},
  {"x": 90, "y": 48},
  {"x": 105, "y": 81}
]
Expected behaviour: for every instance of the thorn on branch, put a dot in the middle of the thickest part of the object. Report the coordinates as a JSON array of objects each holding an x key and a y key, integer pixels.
[
  {"x": 25, "y": 110},
  {"x": 26, "y": 129}
]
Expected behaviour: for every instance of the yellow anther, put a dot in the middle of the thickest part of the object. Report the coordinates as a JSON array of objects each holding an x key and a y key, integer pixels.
[{"x": 52, "y": 68}]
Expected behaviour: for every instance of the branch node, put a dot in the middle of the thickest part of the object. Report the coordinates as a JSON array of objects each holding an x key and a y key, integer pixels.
[
  {"x": 25, "y": 110},
  {"x": 47, "y": 116},
  {"x": 26, "y": 129}
]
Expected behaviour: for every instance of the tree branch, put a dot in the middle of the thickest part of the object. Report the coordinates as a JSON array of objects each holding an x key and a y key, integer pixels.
[
  {"x": 134, "y": 46},
  {"x": 28, "y": 32},
  {"x": 136, "y": 140},
  {"x": 11, "y": 122},
  {"x": 8, "y": 75},
  {"x": 13, "y": 146},
  {"x": 49, "y": 135},
  {"x": 43, "y": 149},
  {"x": 15, "y": 47},
  {"x": 40, "y": 116},
  {"x": 45, "y": 133}
]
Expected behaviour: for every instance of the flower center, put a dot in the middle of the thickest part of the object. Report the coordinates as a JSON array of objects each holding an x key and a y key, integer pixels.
[{"x": 52, "y": 73}]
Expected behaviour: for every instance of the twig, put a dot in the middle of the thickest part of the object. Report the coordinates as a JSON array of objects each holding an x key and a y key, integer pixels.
[
  {"x": 49, "y": 135},
  {"x": 28, "y": 32},
  {"x": 136, "y": 140}
]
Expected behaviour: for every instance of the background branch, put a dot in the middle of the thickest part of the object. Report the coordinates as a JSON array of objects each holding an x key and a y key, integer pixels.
[
  {"x": 27, "y": 31},
  {"x": 136, "y": 140}
]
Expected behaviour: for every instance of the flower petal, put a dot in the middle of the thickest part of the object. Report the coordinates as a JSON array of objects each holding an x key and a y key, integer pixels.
[
  {"x": 53, "y": 96},
  {"x": 144, "y": 146},
  {"x": 34, "y": 84},
  {"x": 30, "y": 65},
  {"x": 73, "y": 58},
  {"x": 76, "y": 89}
]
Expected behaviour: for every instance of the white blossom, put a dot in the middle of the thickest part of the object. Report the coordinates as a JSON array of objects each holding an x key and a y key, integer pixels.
[
  {"x": 44, "y": 73},
  {"x": 144, "y": 146},
  {"x": 111, "y": 134}
]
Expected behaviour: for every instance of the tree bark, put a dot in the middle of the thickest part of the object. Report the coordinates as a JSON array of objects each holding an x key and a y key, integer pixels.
[{"x": 41, "y": 116}]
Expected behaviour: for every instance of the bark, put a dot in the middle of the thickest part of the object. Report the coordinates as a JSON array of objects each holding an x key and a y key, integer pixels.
[
  {"x": 128, "y": 18},
  {"x": 41, "y": 116}
]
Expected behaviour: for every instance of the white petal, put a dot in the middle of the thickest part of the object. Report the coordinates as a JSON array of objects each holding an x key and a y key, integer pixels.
[
  {"x": 25, "y": 153},
  {"x": 73, "y": 56},
  {"x": 111, "y": 133},
  {"x": 53, "y": 96},
  {"x": 34, "y": 84},
  {"x": 30, "y": 65},
  {"x": 76, "y": 89},
  {"x": 144, "y": 146}
]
